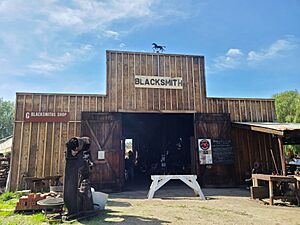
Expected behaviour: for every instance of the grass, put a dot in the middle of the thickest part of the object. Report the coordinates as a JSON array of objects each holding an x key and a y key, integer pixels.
[{"x": 8, "y": 202}]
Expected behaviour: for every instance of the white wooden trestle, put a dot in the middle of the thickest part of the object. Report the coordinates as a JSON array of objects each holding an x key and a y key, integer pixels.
[{"x": 190, "y": 180}]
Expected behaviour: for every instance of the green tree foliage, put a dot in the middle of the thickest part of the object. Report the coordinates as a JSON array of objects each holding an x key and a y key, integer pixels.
[
  {"x": 6, "y": 118},
  {"x": 287, "y": 105}
]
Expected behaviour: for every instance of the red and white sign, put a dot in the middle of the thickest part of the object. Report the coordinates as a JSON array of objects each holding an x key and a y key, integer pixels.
[
  {"x": 46, "y": 117},
  {"x": 205, "y": 151}
]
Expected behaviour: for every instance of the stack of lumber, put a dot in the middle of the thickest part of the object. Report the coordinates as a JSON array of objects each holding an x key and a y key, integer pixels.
[{"x": 4, "y": 168}]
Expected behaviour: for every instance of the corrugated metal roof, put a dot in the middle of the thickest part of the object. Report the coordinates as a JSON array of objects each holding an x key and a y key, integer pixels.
[
  {"x": 5, "y": 147},
  {"x": 273, "y": 125}
]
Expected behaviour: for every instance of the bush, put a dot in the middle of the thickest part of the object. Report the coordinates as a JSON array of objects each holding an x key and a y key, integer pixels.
[{"x": 10, "y": 195}]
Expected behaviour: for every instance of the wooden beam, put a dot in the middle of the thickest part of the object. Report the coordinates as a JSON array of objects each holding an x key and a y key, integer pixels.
[
  {"x": 282, "y": 157},
  {"x": 258, "y": 128}
]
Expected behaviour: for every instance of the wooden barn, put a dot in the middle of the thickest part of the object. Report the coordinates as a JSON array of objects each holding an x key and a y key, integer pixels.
[{"x": 159, "y": 102}]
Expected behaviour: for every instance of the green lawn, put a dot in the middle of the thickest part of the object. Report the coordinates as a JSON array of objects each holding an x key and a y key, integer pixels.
[{"x": 7, "y": 216}]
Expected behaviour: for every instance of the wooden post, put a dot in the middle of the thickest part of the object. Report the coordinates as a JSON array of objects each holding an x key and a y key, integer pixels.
[
  {"x": 254, "y": 182},
  {"x": 271, "y": 195},
  {"x": 282, "y": 157}
]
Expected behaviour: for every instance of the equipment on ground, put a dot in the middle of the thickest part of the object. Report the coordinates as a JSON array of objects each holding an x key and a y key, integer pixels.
[{"x": 77, "y": 190}]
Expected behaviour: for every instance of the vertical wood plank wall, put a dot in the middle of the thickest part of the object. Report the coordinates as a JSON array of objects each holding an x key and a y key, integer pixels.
[
  {"x": 123, "y": 96},
  {"x": 243, "y": 109},
  {"x": 251, "y": 146},
  {"x": 38, "y": 148}
]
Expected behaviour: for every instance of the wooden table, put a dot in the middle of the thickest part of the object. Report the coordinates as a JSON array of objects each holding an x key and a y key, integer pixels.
[
  {"x": 271, "y": 179},
  {"x": 190, "y": 180}
]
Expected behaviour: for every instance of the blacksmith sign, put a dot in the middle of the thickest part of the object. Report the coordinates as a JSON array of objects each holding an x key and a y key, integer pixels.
[
  {"x": 46, "y": 117},
  {"x": 205, "y": 151},
  {"x": 158, "y": 82}
]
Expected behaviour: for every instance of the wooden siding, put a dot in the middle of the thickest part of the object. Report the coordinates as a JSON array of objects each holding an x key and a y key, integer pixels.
[
  {"x": 38, "y": 148},
  {"x": 251, "y": 146},
  {"x": 105, "y": 129},
  {"x": 123, "y": 96},
  {"x": 243, "y": 109},
  {"x": 213, "y": 126}
]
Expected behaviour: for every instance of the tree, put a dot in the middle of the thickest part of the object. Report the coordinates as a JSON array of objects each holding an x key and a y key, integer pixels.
[
  {"x": 287, "y": 106},
  {"x": 6, "y": 118}
]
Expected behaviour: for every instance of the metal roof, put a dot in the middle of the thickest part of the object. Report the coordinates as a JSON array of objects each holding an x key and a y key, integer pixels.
[
  {"x": 269, "y": 127},
  {"x": 5, "y": 146}
]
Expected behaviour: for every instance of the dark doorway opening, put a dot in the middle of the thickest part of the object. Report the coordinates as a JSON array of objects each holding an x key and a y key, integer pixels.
[{"x": 160, "y": 144}]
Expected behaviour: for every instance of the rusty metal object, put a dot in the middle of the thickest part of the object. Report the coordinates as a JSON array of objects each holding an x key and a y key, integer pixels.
[{"x": 77, "y": 191}]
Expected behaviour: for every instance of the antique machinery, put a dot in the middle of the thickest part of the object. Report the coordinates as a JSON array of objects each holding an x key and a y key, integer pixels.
[{"x": 77, "y": 190}]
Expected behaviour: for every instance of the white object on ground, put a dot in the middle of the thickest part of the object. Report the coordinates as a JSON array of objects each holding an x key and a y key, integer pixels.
[
  {"x": 190, "y": 180},
  {"x": 99, "y": 198}
]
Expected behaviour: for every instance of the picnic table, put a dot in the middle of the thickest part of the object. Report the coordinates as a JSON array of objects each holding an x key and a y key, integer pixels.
[{"x": 190, "y": 180}]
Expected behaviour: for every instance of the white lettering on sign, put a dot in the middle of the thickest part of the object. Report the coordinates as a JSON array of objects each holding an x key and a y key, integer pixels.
[
  {"x": 46, "y": 116},
  {"x": 158, "y": 82}
]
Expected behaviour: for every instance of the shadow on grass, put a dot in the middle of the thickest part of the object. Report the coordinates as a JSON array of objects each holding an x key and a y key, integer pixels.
[
  {"x": 114, "y": 217},
  {"x": 118, "y": 204}
]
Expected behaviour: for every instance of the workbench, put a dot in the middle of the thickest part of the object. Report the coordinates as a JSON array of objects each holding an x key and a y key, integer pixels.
[
  {"x": 272, "y": 179},
  {"x": 190, "y": 180}
]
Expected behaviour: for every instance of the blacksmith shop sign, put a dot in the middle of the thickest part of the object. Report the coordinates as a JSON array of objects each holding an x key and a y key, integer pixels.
[
  {"x": 158, "y": 82},
  {"x": 46, "y": 117},
  {"x": 205, "y": 151}
]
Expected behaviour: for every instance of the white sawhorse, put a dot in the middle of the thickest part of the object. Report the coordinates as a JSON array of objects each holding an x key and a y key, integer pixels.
[{"x": 190, "y": 180}]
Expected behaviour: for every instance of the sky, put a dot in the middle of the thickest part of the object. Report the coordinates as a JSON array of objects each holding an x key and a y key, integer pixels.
[{"x": 251, "y": 48}]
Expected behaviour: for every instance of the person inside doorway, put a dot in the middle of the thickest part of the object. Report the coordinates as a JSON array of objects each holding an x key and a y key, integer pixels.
[{"x": 129, "y": 165}]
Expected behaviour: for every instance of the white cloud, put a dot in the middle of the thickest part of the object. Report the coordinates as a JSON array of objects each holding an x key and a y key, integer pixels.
[
  {"x": 66, "y": 17},
  {"x": 235, "y": 58},
  {"x": 44, "y": 67},
  {"x": 48, "y": 63},
  {"x": 122, "y": 45},
  {"x": 84, "y": 16},
  {"x": 111, "y": 34},
  {"x": 234, "y": 52},
  {"x": 276, "y": 49},
  {"x": 230, "y": 60}
]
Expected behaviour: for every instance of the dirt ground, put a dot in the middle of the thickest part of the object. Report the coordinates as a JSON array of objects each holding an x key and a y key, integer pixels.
[{"x": 178, "y": 205}]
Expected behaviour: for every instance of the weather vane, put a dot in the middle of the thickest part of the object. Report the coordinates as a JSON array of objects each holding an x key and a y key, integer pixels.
[{"x": 158, "y": 48}]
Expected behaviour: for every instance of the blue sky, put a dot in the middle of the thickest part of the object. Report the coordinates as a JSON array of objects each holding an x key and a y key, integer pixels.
[{"x": 251, "y": 48}]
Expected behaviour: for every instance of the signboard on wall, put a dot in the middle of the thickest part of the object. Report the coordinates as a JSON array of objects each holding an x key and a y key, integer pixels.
[
  {"x": 158, "y": 82},
  {"x": 223, "y": 151},
  {"x": 205, "y": 151},
  {"x": 46, "y": 117}
]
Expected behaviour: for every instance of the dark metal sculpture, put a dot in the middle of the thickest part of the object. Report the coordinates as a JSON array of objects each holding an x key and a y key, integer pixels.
[
  {"x": 158, "y": 48},
  {"x": 77, "y": 190}
]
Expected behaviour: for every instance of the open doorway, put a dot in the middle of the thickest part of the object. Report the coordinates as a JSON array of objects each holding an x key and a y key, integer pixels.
[{"x": 156, "y": 144}]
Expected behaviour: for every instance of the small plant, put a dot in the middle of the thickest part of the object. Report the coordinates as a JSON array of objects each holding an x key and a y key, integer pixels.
[{"x": 10, "y": 195}]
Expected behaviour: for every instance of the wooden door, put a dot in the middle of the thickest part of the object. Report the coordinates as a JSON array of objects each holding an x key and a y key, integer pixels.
[
  {"x": 216, "y": 127},
  {"x": 105, "y": 131}
]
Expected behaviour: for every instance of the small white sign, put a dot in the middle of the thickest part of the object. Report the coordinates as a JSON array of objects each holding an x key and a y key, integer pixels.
[
  {"x": 205, "y": 151},
  {"x": 101, "y": 155},
  {"x": 158, "y": 82}
]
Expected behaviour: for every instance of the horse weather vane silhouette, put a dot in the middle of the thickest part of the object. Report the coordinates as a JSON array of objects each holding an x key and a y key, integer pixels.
[{"x": 158, "y": 48}]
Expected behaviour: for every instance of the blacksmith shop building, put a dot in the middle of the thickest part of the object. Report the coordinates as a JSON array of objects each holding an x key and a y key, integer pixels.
[{"x": 158, "y": 101}]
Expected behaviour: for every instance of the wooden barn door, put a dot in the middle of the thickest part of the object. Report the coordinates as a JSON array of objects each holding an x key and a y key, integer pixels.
[
  {"x": 217, "y": 128},
  {"x": 105, "y": 131}
]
